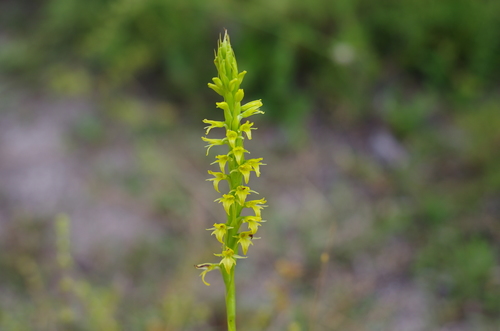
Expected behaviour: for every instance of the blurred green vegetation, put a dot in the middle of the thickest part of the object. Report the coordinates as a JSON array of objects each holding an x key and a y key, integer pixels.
[
  {"x": 326, "y": 54},
  {"x": 426, "y": 72}
]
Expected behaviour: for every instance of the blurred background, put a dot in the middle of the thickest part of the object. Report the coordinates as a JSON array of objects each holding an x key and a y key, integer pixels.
[{"x": 381, "y": 136}]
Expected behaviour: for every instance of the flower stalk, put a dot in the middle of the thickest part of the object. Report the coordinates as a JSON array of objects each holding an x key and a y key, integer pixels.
[{"x": 235, "y": 169}]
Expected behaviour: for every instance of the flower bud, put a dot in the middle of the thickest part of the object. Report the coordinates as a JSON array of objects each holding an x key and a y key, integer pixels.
[
  {"x": 222, "y": 105},
  {"x": 239, "y": 95},
  {"x": 233, "y": 84},
  {"x": 217, "y": 81},
  {"x": 252, "y": 105},
  {"x": 240, "y": 76},
  {"x": 216, "y": 89}
]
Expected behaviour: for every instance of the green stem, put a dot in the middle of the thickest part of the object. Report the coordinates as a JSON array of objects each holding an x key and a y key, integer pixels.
[
  {"x": 230, "y": 299},
  {"x": 234, "y": 182}
]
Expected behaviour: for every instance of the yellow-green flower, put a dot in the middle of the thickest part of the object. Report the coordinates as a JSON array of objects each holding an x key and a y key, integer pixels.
[
  {"x": 238, "y": 153},
  {"x": 207, "y": 267},
  {"x": 247, "y": 128},
  {"x": 213, "y": 142},
  {"x": 218, "y": 176},
  {"x": 255, "y": 163},
  {"x": 220, "y": 230},
  {"x": 213, "y": 124},
  {"x": 221, "y": 160},
  {"x": 245, "y": 240},
  {"x": 256, "y": 205},
  {"x": 231, "y": 137},
  {"x": 227, "y": 200},
  {"x": 253, "y": 223},
  {"x": 251, "y": 108},
  {"x": 228, "y": 259},
  {"x": 245, "y": 169},
  {"x": 242, "y": 192},
  {"x": 252, "y": 105}
]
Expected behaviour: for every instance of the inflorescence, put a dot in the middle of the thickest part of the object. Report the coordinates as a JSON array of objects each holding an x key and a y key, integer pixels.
[{"x": 234, "y": 168}]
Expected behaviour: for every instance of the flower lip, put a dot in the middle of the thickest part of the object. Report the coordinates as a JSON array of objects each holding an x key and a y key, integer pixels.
[{"x": 207, "y": 267}]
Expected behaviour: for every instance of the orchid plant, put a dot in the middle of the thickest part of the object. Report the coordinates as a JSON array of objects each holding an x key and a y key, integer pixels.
[{"x": 237, "y": 231}]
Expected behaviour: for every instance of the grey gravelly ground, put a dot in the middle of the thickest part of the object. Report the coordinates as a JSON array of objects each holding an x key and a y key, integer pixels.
[{"x": 41, "y": 175}]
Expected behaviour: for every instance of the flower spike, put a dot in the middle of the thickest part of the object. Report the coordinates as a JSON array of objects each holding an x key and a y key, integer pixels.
[{"x": 235, "y": 169}]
